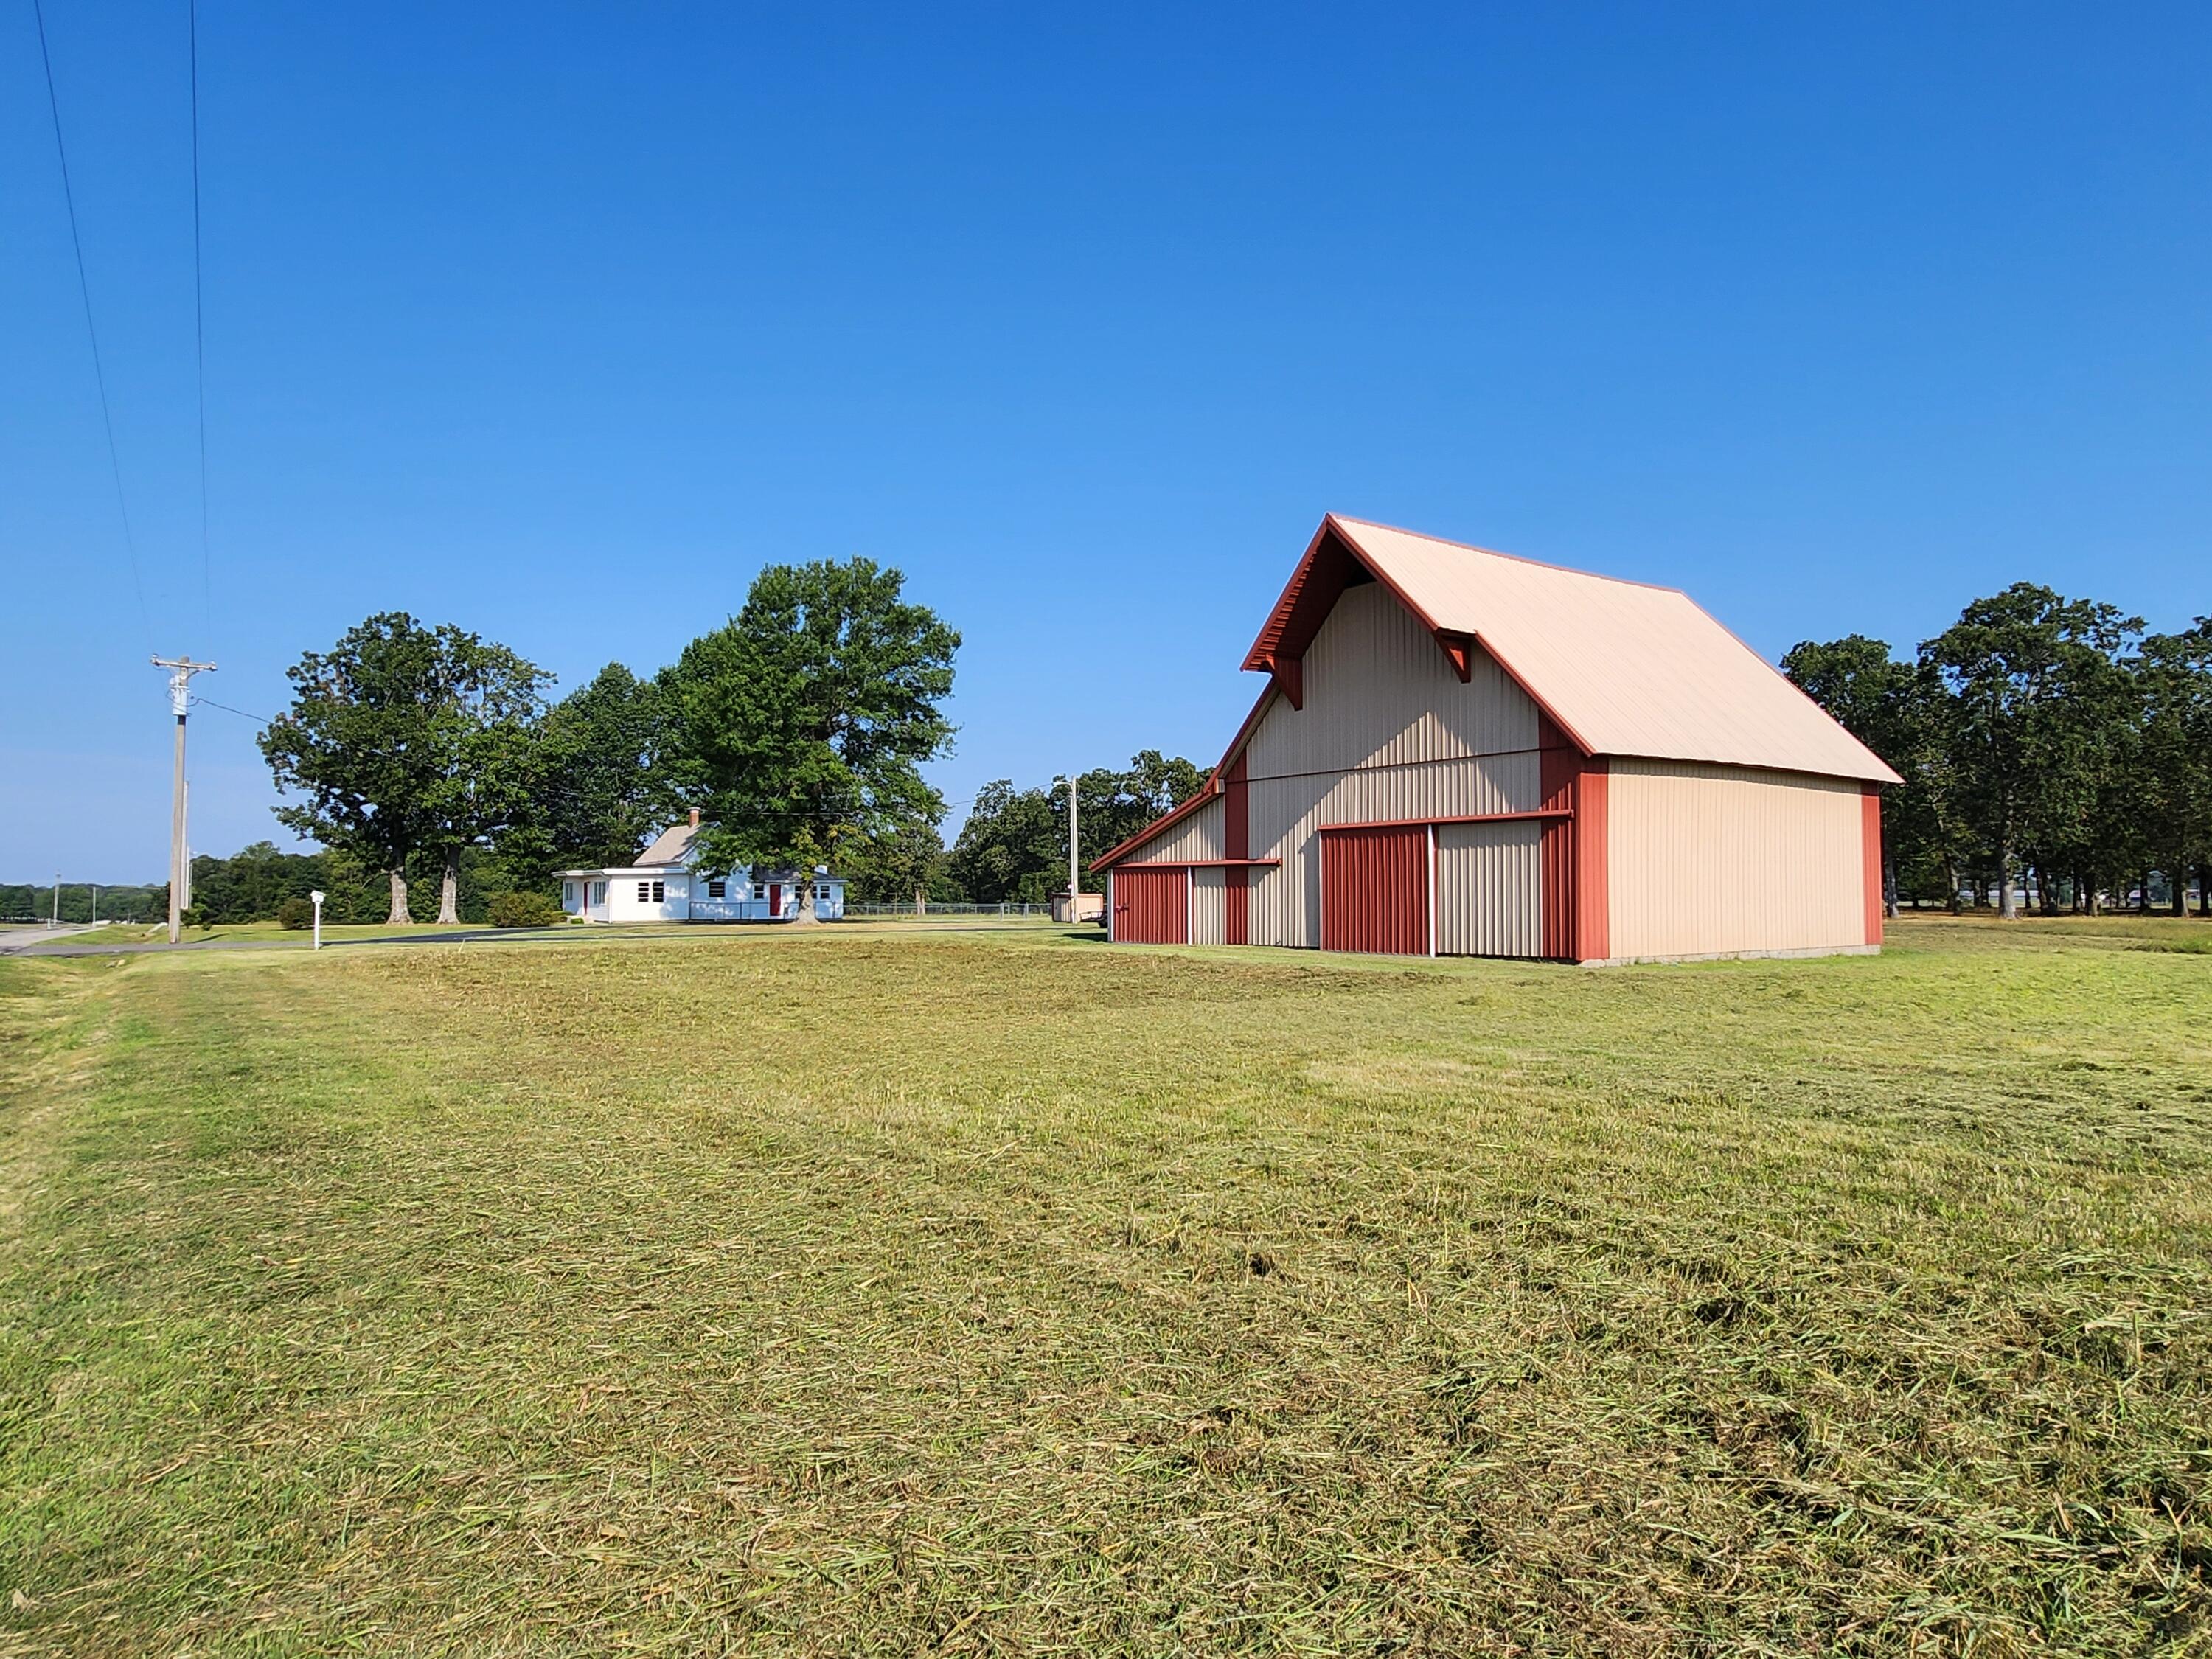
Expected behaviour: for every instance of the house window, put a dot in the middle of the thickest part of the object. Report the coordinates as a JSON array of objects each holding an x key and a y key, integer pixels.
[
  {"x": 645, "y": 892},
  {"x": 760, "y": 890},
  {"x": 717, "y": 889},
  {"x": 599, "y": 892},
  {"x": 656, "y": 892},
  {"x": 821, "y": 892}
]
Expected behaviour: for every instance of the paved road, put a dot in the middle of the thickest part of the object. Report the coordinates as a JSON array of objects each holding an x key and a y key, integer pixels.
[{"x": 15, "y": 941}]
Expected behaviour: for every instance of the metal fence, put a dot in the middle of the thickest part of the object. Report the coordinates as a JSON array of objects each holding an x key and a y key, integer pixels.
[{"x": 910, "y": 914}]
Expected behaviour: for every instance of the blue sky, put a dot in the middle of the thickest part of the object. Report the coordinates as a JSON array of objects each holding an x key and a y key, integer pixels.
[{"x": 559, "y": 322}]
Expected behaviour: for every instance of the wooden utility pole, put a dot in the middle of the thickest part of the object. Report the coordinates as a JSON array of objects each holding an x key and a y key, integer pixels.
[{"x": 181, "y": 670}]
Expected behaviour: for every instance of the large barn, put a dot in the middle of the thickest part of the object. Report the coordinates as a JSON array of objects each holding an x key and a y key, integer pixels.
[{"x": 1465, "y": 753}]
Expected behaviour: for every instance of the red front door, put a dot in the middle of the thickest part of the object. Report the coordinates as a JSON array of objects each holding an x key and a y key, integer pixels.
[
  {"x": 775, "y": 899},
  {"x": 1375, "y": 890}
]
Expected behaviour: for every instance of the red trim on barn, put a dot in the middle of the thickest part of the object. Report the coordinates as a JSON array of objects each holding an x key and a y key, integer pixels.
[
  {"x": 1461, "y": 817},
  {"x": 1593, "y": 917},
  {"x": 1200, "y": 864},
  {"x": 1558, "y": 767},
  {"x": 1459, "y": 651},
  {"x": 1870, "y": 859},
  {"x": 1237, "y": 843},
  {"x": 1333, "y": 563}
]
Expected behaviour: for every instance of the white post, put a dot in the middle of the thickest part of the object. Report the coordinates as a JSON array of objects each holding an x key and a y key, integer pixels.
[
  {"x": 318, "y": 898},
  {"x": 56, "y": 920},
  {"x": 95, "y": 904},
  {"x": 1074, "y": 905}
]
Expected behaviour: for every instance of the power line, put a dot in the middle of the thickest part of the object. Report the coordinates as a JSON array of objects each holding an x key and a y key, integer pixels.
[
  {"x": 84, "y": 289},
  {"x": 199, "y": 329},
  {"x": 211, "y": 703}
]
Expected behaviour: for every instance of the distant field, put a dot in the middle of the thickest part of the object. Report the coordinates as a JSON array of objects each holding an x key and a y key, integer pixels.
[{"x": 1012, "y": 1292}]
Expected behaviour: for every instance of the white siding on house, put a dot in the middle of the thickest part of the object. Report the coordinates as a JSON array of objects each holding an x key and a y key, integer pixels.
[
  {"x": 1490, "y": 887},
  {"x": 1706, "y": 861}
]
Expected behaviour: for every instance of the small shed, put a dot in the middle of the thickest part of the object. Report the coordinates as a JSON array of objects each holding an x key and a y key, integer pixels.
[{"x": 1463, "y": 752}]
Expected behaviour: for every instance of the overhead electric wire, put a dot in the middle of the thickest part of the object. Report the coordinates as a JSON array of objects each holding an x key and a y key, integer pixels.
[
  {"x": 199, "y": 328},
  {"x": 84, "y": 289}
]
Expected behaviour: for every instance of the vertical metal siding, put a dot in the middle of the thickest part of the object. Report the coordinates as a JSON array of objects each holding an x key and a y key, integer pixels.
[
  {"x": 1379, "y": 692},
  {"x": 1704, "y": 860},
  {"x": 1286, "y": 812},
  {"x": 1490, "y": 890},
  {"x": 1151, "y": 907},
  {"x": 1197, "y": 836},
  {"x": 1208, "y": 911},
  {"x": 1375, "y": 890}
]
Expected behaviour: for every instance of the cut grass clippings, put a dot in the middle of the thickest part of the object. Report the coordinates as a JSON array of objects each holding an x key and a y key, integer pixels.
[{"x": 1010, "y": 1292}]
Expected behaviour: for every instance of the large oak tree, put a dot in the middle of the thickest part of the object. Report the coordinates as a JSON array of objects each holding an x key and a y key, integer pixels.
[
  {"x": 404, "y": 738},
  {"x": 802, "y": 724}
]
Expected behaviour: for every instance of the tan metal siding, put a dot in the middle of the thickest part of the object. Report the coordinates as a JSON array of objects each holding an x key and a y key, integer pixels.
[
  {"x": 1208, "y": 893},
  {"x": 1197, "y": 836},
  {"x": 1286, "y": 812},
  {"x": 1712, "y": 860},
  {"x": 1490, "y": 890},
  {"x": 1378, "y": 692}
]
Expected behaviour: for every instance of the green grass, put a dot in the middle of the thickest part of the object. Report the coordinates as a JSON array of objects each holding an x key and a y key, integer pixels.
[{"x": 852, "y": 1292}]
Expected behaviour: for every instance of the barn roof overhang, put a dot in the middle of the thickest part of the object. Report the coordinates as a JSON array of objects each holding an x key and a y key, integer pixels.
[{"x": 1334, "y": 562}]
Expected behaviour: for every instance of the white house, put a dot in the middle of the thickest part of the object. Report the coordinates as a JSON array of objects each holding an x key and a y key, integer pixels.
[{"x": 664, "y": 883}]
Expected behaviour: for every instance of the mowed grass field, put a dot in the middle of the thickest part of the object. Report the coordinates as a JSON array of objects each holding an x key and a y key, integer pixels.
[{"x": 1012, "y": 1294}]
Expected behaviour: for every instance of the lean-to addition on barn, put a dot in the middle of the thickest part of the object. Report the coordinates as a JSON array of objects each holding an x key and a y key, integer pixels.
[{"x": 1464, "y": 753}]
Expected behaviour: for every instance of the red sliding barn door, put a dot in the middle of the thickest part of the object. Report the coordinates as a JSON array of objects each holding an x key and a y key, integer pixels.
[
  {"x": 1151, "y": 907},
  {"x": 1375, "y": 890}
]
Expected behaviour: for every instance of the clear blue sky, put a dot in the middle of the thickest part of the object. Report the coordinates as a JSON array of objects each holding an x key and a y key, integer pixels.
[{"x": 557, "y": 323}]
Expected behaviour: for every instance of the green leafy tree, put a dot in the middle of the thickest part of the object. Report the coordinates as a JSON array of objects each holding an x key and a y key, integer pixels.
[
  {"x": 604, "y": 789},
  {"x": 2173, "y": 773},
  {"x": 1012, "y": 847},
  {"x": 801, "y": 726},
  {"x": 2036, "y": 688},
  {"x": 404, "y": 738}
]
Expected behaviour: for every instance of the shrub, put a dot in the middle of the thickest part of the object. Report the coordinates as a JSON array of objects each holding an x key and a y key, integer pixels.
[
  {"x": 523, "y": 910},
  {"x": 295, "y": 913}
]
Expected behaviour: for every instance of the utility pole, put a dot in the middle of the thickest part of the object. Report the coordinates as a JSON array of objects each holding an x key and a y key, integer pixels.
[
  {"x": 181, "y": 670},
  {"x": 56, "y": 920},
  {"x": 1074, "y": 905},
  {"x": 95, "y": 904}
]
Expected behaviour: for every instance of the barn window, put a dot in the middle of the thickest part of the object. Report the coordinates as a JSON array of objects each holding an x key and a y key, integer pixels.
[
  {"x": 656, "y": 892},
  {"x": 717, "y": 889},
  {"x": 645, "y": 892}
]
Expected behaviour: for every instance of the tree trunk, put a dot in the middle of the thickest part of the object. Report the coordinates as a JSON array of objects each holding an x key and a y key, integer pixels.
[
  {"x": 2177, "y": 885},
  {"x": 2143, "y": 894},
  {"x": 805, "y": 918},
  {"x": 1951, "y": 880},
  {"x": 399, "y": 918},
  {"x": 2007, "y": 906},
  {"x": 449, "y": 890},
  {"x": 2204, "y": 892},
  {"x": 920, "y": 902},
  {"x": 1889, "y": 906}
]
